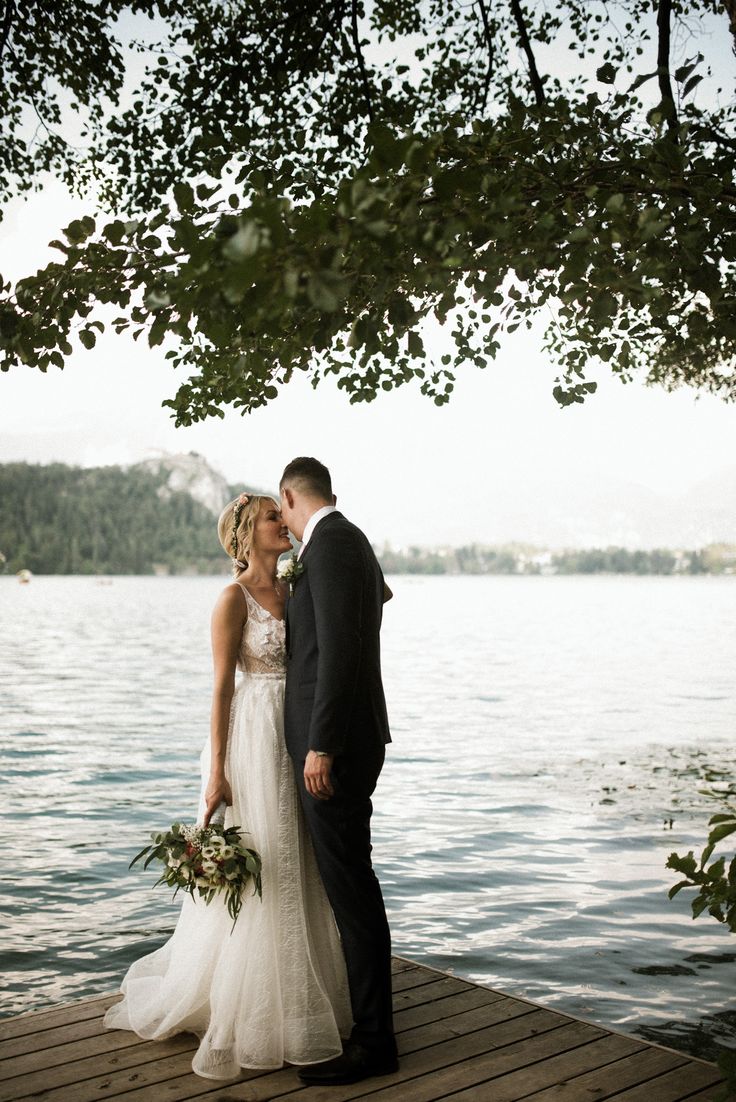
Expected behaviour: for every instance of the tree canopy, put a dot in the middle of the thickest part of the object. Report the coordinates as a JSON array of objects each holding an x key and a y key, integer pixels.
[{"x": 313, "y": 187}]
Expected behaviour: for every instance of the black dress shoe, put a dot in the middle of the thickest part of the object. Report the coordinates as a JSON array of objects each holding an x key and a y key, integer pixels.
[{"x": 355, "y": 1063}]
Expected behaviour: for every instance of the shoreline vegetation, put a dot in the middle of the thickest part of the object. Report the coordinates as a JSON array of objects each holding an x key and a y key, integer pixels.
[
  {"x": 477, "y": 558},
  {"x": 158, "y": 517}
]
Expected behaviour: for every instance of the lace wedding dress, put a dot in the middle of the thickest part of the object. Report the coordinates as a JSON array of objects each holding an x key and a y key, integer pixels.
[{"x": 274, "y": 989}]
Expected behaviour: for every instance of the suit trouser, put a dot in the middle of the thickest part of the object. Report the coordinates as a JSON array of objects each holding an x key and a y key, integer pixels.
[{"x": 341, "y": 836}]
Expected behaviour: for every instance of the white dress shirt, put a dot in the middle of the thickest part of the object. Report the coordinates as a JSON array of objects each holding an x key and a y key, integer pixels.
[{"x": 312, "y": 524}]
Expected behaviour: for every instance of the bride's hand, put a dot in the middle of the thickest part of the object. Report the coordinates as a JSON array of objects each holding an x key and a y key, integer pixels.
[{"x": 218, "y": 789}]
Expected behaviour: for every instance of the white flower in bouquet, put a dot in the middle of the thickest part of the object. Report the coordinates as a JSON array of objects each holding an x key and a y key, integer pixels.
[{"x": 194, "y": 859}]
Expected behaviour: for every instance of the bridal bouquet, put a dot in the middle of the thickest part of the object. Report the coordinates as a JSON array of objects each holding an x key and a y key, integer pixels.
[{"x": 205, "y": 861}]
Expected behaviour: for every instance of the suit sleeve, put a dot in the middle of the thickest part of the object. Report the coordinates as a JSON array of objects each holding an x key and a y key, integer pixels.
[{"x": 336, "y": 581}]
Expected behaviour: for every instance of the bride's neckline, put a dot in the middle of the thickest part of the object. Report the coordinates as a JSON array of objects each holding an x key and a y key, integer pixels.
[{"x": 278, "y": 619}]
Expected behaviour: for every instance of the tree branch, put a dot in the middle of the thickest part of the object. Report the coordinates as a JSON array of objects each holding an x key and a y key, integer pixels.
[
  {"x": 664, "y": 14},
  {"x": 527, "y": 48},
  {"x": 361, "y": 61},
  {"x": 8, "y": 14},
  {"x": 730, "y": 9},
  {"x": 489, "y": 45}
]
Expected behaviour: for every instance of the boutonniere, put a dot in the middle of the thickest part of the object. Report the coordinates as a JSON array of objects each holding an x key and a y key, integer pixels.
[{"x": 288, "y": 570}]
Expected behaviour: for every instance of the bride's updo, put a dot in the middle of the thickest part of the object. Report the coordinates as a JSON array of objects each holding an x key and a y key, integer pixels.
[{"x": 235, "y": 529}]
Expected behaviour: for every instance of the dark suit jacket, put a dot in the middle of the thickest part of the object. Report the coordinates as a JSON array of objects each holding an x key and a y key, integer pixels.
[{"x": 334, "y": 694}]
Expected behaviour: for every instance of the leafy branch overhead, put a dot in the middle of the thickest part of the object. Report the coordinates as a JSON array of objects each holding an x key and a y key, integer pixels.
[{"x": 284, "y": 195}]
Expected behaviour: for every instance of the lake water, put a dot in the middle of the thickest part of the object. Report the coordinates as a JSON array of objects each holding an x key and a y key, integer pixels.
[{"x": 551, "y": 736}]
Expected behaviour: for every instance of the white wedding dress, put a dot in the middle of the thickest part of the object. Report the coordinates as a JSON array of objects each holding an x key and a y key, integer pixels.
[{"x": 274, "y": 989}]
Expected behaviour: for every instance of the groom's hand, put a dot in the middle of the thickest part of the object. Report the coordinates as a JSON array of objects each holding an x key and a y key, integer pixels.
[{"x": 317, "y": 769}]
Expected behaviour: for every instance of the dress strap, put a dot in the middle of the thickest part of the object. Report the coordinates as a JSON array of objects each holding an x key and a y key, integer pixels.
[{"x": 248, "y": 599}]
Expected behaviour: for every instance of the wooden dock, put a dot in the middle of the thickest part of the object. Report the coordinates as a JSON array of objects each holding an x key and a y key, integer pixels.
[{"x": 457, "y": 1041}]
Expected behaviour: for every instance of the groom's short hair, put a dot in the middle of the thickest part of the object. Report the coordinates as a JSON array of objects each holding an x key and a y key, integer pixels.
[{"x": 307, "y": 476}]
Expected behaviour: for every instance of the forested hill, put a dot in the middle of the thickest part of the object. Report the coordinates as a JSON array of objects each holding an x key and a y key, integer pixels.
[
  {"x": 160, "y": 516},
  {"x": 56, "y": 519}
]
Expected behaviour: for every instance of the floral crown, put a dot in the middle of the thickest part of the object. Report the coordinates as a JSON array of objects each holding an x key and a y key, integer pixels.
[{"x": 239, "y": 506}]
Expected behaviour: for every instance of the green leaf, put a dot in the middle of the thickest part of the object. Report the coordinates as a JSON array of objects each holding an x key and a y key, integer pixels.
[
  {"x": 691, "y": 84},
  {"x": 642, "y": 79},
  {"x": 721, "y": 832},
  {"x": 138, "y": 856},
  {"x": 157, "y": 332},
  {"x": 685, "y": 70},
  {"x": 388, "y": 149},
  {"x": 607, "y": 73},
  {"x": 114, "y": 232},
  {"x": 323, "y": 289},
  {"x": 75, "y": 232},
  {"x": 184, "y": 196},
  {"x": 716, "y": 871},
  {"x": 698, "y": 905},
  {"x": 415, "y": 344}
]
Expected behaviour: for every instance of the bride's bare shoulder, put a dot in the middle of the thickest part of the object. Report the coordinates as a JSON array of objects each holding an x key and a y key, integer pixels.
[{"x": 231, "y": 604}]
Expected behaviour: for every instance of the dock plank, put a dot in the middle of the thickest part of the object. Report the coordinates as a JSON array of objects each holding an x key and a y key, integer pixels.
[
  {"x": 76, "y": 1072},
  {"x": 94, "y": 1082},
  {"x": 674, "y": 1085},
  {"x": 49, "y": 1038},
  {"x": 518, "y": 1082},
  {"x": 602, "y": 1083},
  {"x": 104, "y": 1041},
  {"x": 429, "y": 992},
  {"x": 431, "y": 1073},
  {"x": 458, "y": 1042},
  {"x": 38, "y": 1020},
  {"x": 284, "y": 1085},
  {"x": 708, "y": 1095},
  {"x": 444, "y": 1008}
]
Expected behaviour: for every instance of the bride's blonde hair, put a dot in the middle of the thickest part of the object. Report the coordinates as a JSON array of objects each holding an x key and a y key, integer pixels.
[{"x": 235, "y": 528}]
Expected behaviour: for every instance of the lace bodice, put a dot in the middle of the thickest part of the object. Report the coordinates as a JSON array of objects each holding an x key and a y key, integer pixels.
[{"x": 263, "y": 646}]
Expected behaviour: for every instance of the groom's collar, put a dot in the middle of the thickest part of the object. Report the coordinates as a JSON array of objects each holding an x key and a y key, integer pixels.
[{"x": 313, "y": 522}]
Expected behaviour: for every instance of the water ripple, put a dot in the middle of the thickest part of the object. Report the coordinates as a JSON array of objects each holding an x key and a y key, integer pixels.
[{"x": 551, "y": 736}]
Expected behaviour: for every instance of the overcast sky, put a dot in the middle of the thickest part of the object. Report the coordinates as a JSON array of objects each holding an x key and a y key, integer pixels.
[{"x": 405, "y": 469}]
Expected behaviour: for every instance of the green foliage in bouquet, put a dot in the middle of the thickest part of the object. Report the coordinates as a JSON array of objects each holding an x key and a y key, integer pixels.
[{"x": 205, "y": 861}]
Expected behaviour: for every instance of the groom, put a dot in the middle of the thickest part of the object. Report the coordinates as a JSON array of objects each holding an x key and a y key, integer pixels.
[{"x": 336, "y": 731}]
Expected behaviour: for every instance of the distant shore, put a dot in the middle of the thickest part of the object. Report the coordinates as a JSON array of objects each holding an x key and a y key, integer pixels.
[
  {"x": 473, "y": 560},
  {"x": 525, "y": 559},
  {"x": 159, "y": 517}
]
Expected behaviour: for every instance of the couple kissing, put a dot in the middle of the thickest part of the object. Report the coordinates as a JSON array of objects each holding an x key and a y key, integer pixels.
[{"x": 297, "y": 742}]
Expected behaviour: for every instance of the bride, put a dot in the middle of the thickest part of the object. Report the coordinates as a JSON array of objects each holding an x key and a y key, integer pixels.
[{"x": 273, "y": 990}]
